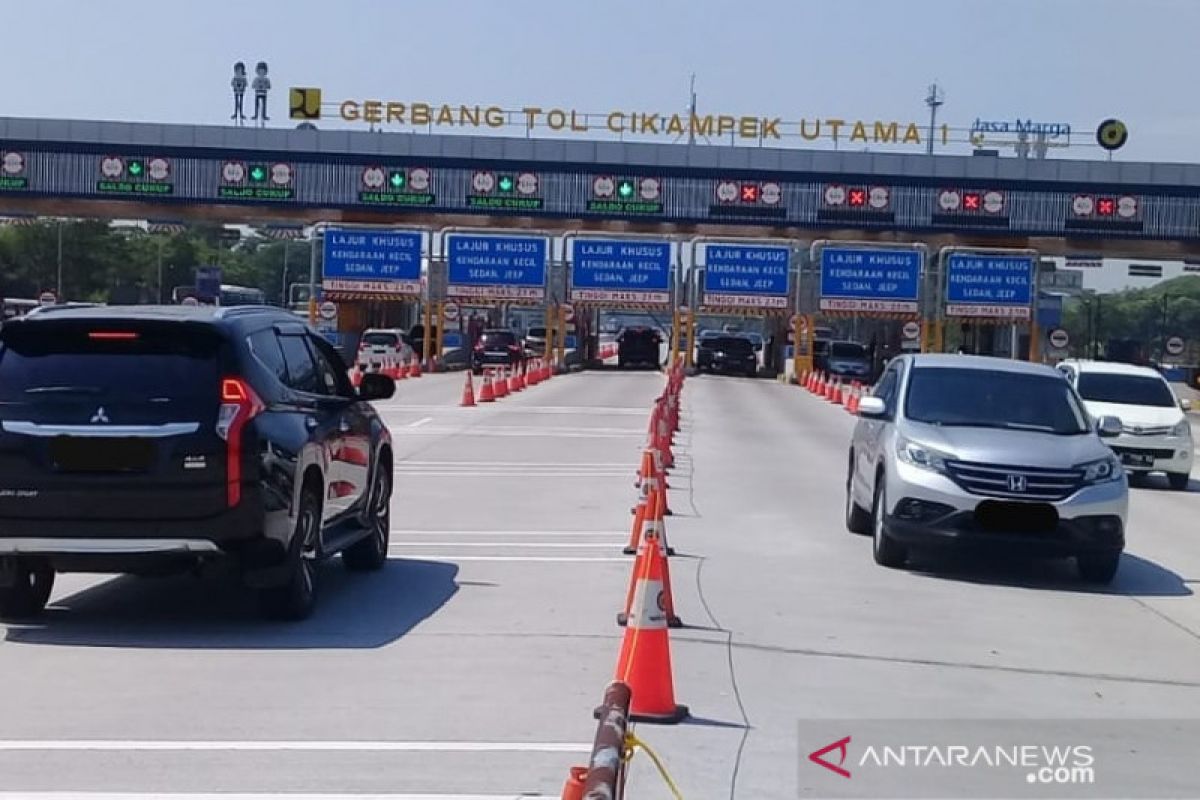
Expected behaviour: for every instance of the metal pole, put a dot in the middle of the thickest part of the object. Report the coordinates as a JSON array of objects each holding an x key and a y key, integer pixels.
[
  {"x": 312, "y": 280},
  {"x": 161, "y": 243},
  {"x": 1162, "y": 331},
  {"x": 283, "y": 298},
  {"x": 441, "y": 329},
  {"x": 59, "y": 285}
]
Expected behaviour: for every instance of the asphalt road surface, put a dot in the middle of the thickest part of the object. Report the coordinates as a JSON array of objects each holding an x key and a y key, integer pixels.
[{"x": 470, "y": 666}]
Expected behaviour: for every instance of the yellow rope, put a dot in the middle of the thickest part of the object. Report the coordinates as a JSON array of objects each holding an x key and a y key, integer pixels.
[{"x": 632, "y": 744}]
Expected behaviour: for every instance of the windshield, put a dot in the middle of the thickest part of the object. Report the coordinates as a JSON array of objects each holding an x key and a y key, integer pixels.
[
  {"x": 731, "y": 344},
  {"x": 381, "y": 339},
  {"x": 847, "y": 350},
  {"x": 537, "y": 333},
  {"x": 993, "y": 399},
  {"x": 499, "y": 338},
  {"x": 1129, "y": 390}
]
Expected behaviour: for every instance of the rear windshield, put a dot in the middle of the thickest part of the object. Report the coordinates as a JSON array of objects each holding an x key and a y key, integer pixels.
[
  {"x": 537, "y": 332},
  {"x": 499, "y": 337},
  {"x": 640, "y": 333},
  {"x": 110, "y": 361},
  {"x": 731, "y": 344},
  {"x": 381, "y": 339},
  {"x": 1132, "y": 390},
  {"x": 847, "y": 350},
  {"x": 993, "y": 399}
]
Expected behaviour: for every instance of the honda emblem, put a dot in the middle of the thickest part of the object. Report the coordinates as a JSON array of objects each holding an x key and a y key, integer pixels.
[{"x": 1017, "y": 483}]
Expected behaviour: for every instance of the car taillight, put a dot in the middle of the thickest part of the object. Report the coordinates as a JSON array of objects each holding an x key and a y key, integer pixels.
[
  {"x": 239, "y": 405},
  {"x": 516, "y": 348},
  {"x": 479, "y": 347}
]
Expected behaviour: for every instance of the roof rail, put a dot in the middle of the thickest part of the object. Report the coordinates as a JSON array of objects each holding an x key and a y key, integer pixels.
[{"x": 223, "y": 312}]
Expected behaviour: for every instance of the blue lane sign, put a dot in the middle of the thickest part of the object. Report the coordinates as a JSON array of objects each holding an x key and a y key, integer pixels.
[
  {"x": 748, "y": 276},
  {"x": 866, "y": 279},
  {"x": 208, "y": 284},
  {"x": 612, "y": 270},
  {"x": 372, "y": 261},
  {"x": 496, "y": 267},
  {"x": 989, "y": 285}
]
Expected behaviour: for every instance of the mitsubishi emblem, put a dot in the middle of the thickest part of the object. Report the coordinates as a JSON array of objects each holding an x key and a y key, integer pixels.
[{"x": 100, "y": 418}]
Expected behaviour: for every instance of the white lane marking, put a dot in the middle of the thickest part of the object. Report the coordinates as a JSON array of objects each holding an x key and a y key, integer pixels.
[
  {"x": 420, "y": 422},
  {"x": 554, "y": 464},
  {"x": 503, "y": 474},
  {"x": 546, "y": 545},
  {"x": 616, "y": 411},
  {"x": 513, "y": 433},
  {"x": 411, "y": 532},
  {"x": 513, "y": 559},
  {"x": 258, "y": 796},
  {"x": 126, "y": 745}
]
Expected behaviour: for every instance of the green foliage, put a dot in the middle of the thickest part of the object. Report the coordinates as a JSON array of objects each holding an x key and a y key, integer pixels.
[
  {"x": 1139, "y": 313},
  {"x": 98, "y": 258}
]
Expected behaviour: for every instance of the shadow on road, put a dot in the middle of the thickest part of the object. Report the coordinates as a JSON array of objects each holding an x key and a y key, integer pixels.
[
  {"x": 354, "y": 610},
  {"x": 1158, "y": 483},
  {"x": 1137, "y": 577}
]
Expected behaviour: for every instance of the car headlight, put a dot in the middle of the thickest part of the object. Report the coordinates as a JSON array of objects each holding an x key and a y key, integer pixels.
[
  {"x": 920, "y": 455},
  {"x": 1184, "y": 428},
  {"x": 1102, "y": 471}
]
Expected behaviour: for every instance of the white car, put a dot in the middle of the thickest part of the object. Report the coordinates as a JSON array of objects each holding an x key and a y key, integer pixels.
[
  {"x": 380, "y": 344},
  {"x": 1155, "y": 433}
]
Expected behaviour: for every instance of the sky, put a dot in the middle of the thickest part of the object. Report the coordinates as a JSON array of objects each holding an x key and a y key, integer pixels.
[{"x": 1075, "y": 61}]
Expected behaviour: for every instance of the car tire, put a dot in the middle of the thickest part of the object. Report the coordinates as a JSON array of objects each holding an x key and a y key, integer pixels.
[
  {"x": 370, "y": 553},
  {"x": 858, "y": 520},
  {"x": 1179, "y": 480},
  {"x": 886, "y": 550},
  {"x": 1098, "y": 568},
  {"x": 29, "y": 593},
  {"x": 295, "y": 598}
]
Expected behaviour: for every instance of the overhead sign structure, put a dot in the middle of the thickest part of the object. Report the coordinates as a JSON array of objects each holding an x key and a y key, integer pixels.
[
  {"x": 620, "y": 271},
  {"x": 746, "y": 275},
  {"x": 996, "y": 285},
  {"x": 378, "y": 262},
  {"x": 870, "y": 279},
  {"x": 499, "y": 267}
]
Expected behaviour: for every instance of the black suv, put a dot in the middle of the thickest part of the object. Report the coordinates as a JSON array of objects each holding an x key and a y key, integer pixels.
[
  {"x": 727, "y": 354},
  {"x": 155, "y": 439},
  {"x": 497, "y": 347},
  {"x": 639, "y": 345}
]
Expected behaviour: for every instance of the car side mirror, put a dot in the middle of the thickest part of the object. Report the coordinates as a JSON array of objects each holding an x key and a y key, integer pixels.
[
  {"x": 872, "y": 408},
  {"x": 1109, "y": 426},
  {"x": 1185, "y": 404},
  {"x": 376, "y": 387}
]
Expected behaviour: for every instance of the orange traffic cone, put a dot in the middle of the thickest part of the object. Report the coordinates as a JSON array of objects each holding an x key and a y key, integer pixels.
[
  {"x": 356, "y": 377},
  {"x": 653, "y": 529},
  {"x": 645, "y": 659},
  {"x": 647, "y": 467},
  {"x": 836, "y": 395},
  {"x": 576, "y": 783},
  {"x": 514, "y": 381},
  {"x": 468, "y": 393},
  {"x": 415, "y": 370},
  {"x": 641, "y": 512},
  {"x": 855, "y": 397},
  {"x": 501, "y": 385},
  {"x": 486, "y": 394}
]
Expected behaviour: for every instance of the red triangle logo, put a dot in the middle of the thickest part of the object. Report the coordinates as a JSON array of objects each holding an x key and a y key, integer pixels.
[{"x": 817, "y": 757}]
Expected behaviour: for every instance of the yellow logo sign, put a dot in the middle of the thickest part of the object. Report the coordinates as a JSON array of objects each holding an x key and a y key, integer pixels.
[{"x": 304, "y": 103}]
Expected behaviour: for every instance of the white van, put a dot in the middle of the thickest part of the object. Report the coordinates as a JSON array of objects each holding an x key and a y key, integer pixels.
[{"x": 1156, "y": 435}]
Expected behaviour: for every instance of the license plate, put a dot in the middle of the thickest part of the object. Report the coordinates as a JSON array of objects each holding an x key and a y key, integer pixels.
[
  {"x": 101, "y": 454},
  {"x": 1137, "y": 459}
]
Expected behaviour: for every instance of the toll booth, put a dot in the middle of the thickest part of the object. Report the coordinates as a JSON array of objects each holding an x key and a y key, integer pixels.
[
  {"x": 630, "y": 273},
  {"x": 369, "y": 277},
  {"x": 877, "y": 294},
  {"x": 747, "y": 282},
  {"x": 988, "y": 299}
]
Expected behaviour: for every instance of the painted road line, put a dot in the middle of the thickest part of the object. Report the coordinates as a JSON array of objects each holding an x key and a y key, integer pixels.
[
  {"x": 526, "y": 464},
  {"x": 258, "y": 796},
  {"x": 512, "y": 559},
  {"x": 289, "y": 745},
  {"x": 420, "y": 422},
  {"x": 546, "y": 545},
  {"x": 411, "y": 532}
]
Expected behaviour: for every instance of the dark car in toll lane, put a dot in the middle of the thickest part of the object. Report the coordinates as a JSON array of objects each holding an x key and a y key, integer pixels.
[
  {"x": 727, "y": 354},
  {"x": 497, "y": 347},
  {"x": 159, "y": 439}
]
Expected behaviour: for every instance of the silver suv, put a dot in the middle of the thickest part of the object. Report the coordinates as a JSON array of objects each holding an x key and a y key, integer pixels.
[{"x": 969, "y": 451}]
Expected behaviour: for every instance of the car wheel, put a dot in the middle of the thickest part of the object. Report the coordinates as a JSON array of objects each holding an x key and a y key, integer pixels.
[
  {"x": 370, "y": 553},
  {"x": 29, "y": 592},
  {"x": 887, "y": 551},
  {"x": 1098, "y": 567},
  {"x": 620, "y": 363},
  {"x": 1179, "y": 480},
  {"x": 296, "y": 597},
  {"x": 857, "y": 519}
]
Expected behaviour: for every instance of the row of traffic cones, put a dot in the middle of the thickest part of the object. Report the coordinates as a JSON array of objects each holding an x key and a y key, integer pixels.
[
  {"x": 835, "y": 390},
  {"x": 507, "y": 382},
  {"x": 644, "y": 661},
  {"x": 391, "y": 366}
]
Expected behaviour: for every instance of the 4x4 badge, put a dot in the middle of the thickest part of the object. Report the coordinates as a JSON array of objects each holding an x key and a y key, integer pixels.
[{"x": 99, "y": 417}]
